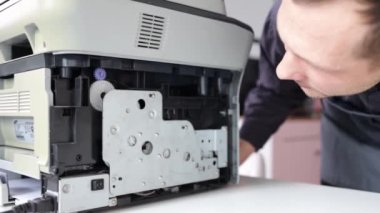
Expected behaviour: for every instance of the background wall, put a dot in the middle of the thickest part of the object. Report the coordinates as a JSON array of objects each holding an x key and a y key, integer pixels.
[{"x": 251, "y": 12}]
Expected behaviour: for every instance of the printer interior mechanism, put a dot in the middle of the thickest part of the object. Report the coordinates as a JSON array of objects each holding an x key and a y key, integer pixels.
[{"x": 108, "y": 103}]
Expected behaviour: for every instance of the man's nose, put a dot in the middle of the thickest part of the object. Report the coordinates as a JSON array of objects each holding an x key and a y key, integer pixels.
[{"x": 290, "y": 68}]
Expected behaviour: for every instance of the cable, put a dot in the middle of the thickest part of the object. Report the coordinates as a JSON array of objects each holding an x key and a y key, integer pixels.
[
  {"x": 145, "y": 194},
  {"x": 43, "y": 204}
]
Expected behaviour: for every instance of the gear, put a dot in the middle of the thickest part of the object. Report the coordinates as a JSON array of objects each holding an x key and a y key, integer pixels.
[{"x": 98, "y": 90}]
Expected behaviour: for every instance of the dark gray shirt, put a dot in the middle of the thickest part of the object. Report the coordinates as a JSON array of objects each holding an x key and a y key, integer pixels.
[{"x": 270, "y": 102}]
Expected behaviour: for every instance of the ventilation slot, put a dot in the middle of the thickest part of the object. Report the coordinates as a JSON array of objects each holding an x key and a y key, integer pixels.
[
  {"x": 24, "y": 101},
  {"x": 15, "y": 102},
  {"x": 9, "y": 102},
  {"x": 151, "y": 31}
]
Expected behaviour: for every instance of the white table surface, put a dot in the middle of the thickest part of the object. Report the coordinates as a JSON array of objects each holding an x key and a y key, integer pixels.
[
  {"x": 261, "y": 195},
  {"x": 255, "y": 195}
]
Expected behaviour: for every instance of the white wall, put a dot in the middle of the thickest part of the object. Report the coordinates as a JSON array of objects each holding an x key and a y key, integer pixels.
[{"x": 251, "y": 12}]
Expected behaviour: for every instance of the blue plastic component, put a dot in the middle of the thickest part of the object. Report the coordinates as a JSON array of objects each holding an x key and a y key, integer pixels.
[{"x": 100, "y": 74}]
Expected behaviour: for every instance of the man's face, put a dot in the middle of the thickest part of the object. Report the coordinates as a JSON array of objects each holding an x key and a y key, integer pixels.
[{"x": 322, "y": 43}]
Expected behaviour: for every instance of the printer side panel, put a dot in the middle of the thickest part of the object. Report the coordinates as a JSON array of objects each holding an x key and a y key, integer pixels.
[{"x": 120, "y": 102}]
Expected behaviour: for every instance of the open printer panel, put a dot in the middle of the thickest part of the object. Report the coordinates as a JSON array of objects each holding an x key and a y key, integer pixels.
[{"x": 108, "y": 103}]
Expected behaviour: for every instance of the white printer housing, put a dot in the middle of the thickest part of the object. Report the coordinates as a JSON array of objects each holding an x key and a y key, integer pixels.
[{"x": 117, "y": 102}]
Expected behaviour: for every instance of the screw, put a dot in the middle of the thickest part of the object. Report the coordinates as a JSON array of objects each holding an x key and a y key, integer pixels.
[
  {"x": 152, "y": 114},
  {"x": 113, "y": 130},
  {"x": 78, "y": 157},
  {"x": 166, "y": 153},
  {"x": 66, "y": 188},
  {"x": 132, "y": 140},
  {"x": 113, "y": 202}
]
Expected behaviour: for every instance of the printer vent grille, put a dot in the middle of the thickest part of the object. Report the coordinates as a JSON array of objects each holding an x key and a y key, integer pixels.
[
  {"x": 151, "y": 31},
  {"x": 24, "y": 101},
  {"x": 15, "y": 102}
]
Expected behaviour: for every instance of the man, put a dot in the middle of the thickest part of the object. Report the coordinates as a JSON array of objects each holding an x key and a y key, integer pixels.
[{"x": 325, "y": 49}]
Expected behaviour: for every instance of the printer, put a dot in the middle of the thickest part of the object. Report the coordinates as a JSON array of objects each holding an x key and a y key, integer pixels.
[{"x": 118, "y": 102}]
